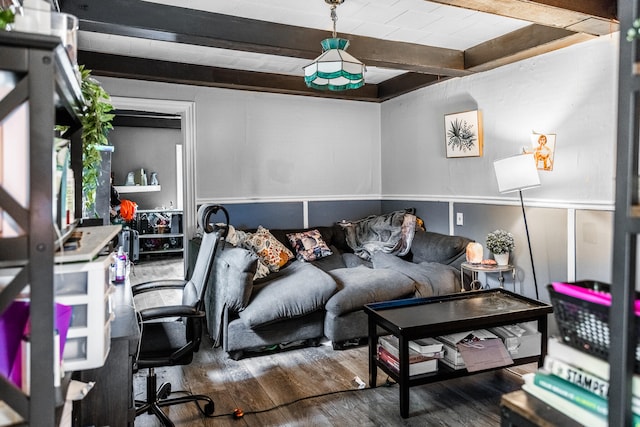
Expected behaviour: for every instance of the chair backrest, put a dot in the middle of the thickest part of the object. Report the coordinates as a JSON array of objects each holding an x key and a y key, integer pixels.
[{"x": 213, "y": 237}]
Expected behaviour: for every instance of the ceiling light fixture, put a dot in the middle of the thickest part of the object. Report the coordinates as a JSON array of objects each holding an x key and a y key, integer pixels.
[{"x": 335, "y": 69}]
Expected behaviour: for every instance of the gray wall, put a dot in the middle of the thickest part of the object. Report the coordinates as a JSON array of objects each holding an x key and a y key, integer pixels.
[
  {"x": 571, "y": 92},
  {"x": 151, "y": 149}
]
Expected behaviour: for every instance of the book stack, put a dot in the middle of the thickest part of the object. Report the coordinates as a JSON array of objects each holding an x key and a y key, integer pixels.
[
  {"x": 423, "y": 354},
  {"x": 474, "y": 350},
  {"x": 576, "y": 383}
]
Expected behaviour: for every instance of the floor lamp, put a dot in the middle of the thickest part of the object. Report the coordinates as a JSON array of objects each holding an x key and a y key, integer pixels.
[{"x": 519, "y": 173}]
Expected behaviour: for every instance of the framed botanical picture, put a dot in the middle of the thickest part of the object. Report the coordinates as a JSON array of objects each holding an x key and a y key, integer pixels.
[
  {"x": 543, "y": 147},
  {"x": 463, "y": 134}
]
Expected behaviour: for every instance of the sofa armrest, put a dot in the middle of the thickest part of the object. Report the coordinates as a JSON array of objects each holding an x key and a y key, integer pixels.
[
  {"x": 435, "y": 247},
  {"x": 233, "y": 275}
]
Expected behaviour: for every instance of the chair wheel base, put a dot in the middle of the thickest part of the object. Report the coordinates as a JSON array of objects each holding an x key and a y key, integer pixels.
[{"x": 156, "y": 399}]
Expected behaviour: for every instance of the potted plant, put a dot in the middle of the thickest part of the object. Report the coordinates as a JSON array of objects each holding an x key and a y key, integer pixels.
[
  {"x": 500, "y": 243},
  {"x": 96, "y": 120},
  {"x": 96, "y": 124}
]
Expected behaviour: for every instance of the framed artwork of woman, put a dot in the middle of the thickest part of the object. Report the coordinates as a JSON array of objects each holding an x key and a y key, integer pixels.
[{"x": 543, "y": 148}]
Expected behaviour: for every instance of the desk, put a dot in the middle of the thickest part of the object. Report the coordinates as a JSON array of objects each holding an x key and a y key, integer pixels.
[
  {"x": 110, "y": 402},
  {"x": 477, "y": 268}
]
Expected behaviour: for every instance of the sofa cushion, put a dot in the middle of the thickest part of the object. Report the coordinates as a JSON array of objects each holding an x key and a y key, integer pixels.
[
  {"x": 361, "y": 285},
  {"x": 431, "y": 278},
  {"x": 272, "y": 252},
  {"x": 332, "y": 261},
  {"x": 234, "y": 271},
  {"x": 296, "y": 290},
  {"x": 436, "y": 247},
  {"x": 353, "y": 260},
  {"x": 309, "y": 245}
]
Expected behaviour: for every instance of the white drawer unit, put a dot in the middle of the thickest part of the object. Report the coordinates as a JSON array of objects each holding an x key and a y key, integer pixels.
[{"x": 86, "y": 288}]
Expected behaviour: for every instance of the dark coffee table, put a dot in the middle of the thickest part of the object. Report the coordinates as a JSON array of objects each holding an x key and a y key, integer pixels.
[{"x": 416, "y": 318}]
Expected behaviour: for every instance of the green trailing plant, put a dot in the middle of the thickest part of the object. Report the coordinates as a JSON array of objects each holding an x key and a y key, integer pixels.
[
  {"x": 6, "y": 17},
  {"x": 96, "y": 124},
  {"x": 500, "y": 242}
]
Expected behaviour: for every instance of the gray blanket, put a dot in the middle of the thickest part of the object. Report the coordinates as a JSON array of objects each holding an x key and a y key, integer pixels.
[
  {"x": 431, "y": 278},
  {"x": 391, "y": 233}
]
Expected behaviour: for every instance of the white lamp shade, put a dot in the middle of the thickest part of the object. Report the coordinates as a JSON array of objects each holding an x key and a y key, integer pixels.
[{"x": 516, "y": 173}]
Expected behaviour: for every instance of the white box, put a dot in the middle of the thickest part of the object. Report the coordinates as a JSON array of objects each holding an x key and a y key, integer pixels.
[
  {"x": 86, "y": 288},
  {"x": 452, "y": 357},
  {"x": 522, "y": 341}
]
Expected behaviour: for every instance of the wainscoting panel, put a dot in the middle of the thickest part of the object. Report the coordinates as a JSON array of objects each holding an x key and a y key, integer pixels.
[
  {"x": 325, "y": 213},
  {"x": 548, "y": 231},
  {"x": 434, "y": 214},
  {"x": 268, "y": 214},
  {"x": 594, "y": 245}
]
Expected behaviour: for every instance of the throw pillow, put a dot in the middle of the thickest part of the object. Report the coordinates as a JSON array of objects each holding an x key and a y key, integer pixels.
[
  {"x": 309, "y": 245},
  {"x": 273, "y": 253},
  {"x": 236, "y": 237}
]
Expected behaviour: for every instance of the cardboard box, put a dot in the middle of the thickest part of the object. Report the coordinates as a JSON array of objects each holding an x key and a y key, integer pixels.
[{"x": 522, "y": 340}]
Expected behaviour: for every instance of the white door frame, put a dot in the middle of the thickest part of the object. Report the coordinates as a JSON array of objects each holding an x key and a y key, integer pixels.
[{"x": 187, "y": 111}]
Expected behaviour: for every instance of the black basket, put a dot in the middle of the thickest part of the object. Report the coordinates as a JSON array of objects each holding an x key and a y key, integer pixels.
[{"x": 584, "y": 324}]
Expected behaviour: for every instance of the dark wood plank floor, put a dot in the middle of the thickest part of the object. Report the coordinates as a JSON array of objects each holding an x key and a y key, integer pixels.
[{"x": 315, "y": 387}]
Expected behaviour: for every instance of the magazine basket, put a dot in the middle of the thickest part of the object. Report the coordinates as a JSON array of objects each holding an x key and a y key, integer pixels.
[{"x": 584, "y": 324}]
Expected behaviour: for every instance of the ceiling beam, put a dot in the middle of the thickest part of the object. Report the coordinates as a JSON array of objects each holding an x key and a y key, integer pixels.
[
  {"x": 426, "y": 64},
  {"x": 153, "y": 21},
  {"x": 524, "y": 43},
  {"x": 405, "y": 83},
  {"x": 199, "y": 75},
  {"x": 596, "y": 17}
]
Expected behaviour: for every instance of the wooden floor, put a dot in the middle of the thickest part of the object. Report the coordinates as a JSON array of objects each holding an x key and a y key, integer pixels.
[{"x": 315, "y": 387}]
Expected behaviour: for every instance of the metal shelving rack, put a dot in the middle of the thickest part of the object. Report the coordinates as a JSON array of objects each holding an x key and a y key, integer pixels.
[
  {"x": 163, "y": 237},
  {"x": 44, "y": 77},
  {"x": 622, "y": 319}
]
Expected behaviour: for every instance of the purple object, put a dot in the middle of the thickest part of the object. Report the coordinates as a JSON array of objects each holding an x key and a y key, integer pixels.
[{"x": 14, "y": 323}]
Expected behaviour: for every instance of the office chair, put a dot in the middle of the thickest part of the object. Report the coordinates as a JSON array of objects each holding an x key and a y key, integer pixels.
[{"x": 170, "y": 335}]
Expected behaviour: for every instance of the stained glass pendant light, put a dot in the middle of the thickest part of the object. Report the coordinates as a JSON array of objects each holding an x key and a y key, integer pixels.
[{"x": 335, "y": 69}]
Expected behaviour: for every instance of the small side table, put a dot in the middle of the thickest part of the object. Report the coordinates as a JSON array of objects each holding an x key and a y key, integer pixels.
[{"x": 477, "y": 268}]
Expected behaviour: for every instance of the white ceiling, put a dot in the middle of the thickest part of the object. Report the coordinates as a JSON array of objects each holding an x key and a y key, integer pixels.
[{"x": 412, "y": 21}]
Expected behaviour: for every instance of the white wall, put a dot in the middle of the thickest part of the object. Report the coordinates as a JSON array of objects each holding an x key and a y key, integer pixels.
[
  {"x": 572, "y": 93},
  {"x": 259, "y": 145}
]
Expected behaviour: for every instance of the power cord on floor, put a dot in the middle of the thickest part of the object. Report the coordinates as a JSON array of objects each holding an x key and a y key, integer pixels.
[{"x": 238, "y": 413}]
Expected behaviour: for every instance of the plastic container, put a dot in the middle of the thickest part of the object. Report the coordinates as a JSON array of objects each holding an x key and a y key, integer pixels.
[
  {"x": 121, "y": 266},
  {"x": 65, "y": 26},
  {"x": 581, "y": 310}
]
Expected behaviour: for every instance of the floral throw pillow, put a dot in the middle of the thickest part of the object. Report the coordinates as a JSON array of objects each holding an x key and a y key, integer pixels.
[
  {"x": 309, "y": 245},
  {"x": 272, "y": 253}
]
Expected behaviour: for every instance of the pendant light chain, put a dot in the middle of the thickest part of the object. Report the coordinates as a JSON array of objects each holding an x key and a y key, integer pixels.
[{"x": 334, "y": 18}]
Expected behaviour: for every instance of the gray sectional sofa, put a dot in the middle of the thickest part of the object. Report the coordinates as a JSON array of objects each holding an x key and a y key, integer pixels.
[{"x": 306, "y": 301}]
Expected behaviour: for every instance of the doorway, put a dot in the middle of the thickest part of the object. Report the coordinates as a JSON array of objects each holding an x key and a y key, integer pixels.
[{"x": 185, "y": 168}]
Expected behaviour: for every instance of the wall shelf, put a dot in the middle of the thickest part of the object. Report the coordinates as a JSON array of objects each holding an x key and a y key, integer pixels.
[{"x": 123, "y": 189}]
